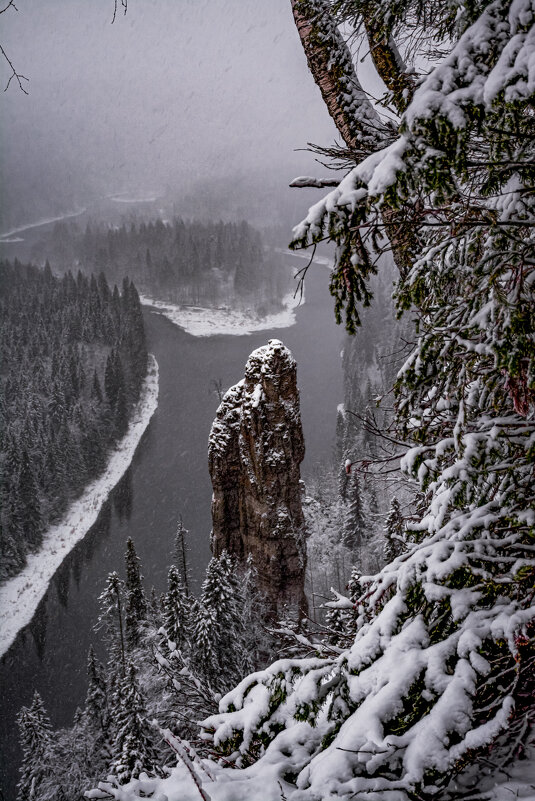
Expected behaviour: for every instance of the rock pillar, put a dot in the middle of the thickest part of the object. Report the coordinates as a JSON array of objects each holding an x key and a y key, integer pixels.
[{"x": 255, "y": 449}]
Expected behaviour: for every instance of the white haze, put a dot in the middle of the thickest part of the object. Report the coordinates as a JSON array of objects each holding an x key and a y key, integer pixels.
[{"x": 176, "y": 95}]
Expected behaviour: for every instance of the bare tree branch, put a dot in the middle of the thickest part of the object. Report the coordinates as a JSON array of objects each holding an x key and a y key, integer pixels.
[
  {"x": 19, "y": 77},
  {"x": 14, "y": 74},
  {"x": 11, "y": 4},
  {"x": 301, "y": 274},
  {"x": 124, "y": 4}
]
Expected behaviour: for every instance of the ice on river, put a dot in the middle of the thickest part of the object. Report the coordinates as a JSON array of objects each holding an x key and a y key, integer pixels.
[{"x": 202, "y": 322}]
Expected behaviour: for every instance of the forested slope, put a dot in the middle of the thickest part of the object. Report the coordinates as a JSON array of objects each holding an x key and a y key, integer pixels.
[
  {"x": 183, "y": 262},
  {"x": 73, "y": 360}
]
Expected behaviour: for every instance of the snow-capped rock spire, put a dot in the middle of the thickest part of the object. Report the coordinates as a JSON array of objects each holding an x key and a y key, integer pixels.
[{"x": 255, "y": 449}]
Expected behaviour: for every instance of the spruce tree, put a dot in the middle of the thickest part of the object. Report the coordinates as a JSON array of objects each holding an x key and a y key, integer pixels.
[
  {"x": 394, "y": 530},
  {"x": 256, "y": 640},
  {"x": 110, "y": 619},
  {"x": 181, "y": 553},
  {"x": 205, "y": 645},
  {"x": 96, "y": 700},
  {"x": 338, "y": 628},
  {"x": 135, "y": 601},
  {"x": 355, "y": 523},
  {"x": 341, "y": 434},
  {"x": 29, "y": 509},
  {"x": 120, "y": 408},
  {"x": 341, "y": 622},
  {"x": 110, "y": 378},
  {"x": 231, "y": 614},
  {"x": 35, "y": 733},
  {"x": 176, "y": 610},
  {"x": 354, "y": 587},
  {"x": 96, "y": 391},
  {"x": 344, "y": 476},
  {"x": 137, "y": 345},
  {"x": 218, "y": 625},
  {"x": 133, "y": 748}
]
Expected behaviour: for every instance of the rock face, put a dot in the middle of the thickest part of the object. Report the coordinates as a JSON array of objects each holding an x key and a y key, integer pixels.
[{"x": 255, "y": 448}]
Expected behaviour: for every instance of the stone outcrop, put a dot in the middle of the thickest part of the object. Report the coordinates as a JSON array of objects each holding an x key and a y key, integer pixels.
[{"x": 255, "y": 449}]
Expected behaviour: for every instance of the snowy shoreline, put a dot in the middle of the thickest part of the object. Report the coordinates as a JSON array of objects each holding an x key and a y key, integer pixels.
[
  {"x": 46, "y": 221},
  {"x": 21, "y": 595},
  {"x": 203, "y": 322}
]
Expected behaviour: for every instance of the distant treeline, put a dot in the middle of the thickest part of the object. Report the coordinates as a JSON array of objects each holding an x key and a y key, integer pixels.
[
  {"x": 74, "y": 358},
  {"x": 184, "y": 262}
]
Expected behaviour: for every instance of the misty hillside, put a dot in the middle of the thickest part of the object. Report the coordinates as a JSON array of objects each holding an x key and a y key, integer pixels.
[{"x": 190, "y": 263}]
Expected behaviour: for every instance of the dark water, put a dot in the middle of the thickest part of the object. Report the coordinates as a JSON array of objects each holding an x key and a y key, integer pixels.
[{"x": 168, "y": 477}]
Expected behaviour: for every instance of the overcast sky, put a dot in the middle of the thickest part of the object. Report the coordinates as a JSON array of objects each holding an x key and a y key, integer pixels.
[{"x": 175, "y": 91}]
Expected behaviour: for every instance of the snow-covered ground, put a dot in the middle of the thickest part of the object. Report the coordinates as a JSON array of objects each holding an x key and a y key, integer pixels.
[
  {"x": 45, "y": 221},
  {"x": 201, "y": 322},
  {"x": 20, "y": 595},
  {"x": 194, "y": 778}
]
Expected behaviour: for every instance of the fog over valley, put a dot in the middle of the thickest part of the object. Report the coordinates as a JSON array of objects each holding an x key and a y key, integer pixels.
[{"x": 197, "y": 100}]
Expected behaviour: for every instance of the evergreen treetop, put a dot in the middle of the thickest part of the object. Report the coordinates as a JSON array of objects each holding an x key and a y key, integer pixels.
[
  {"x": 132, "y": 743},
  {"x": 96, "y": 696},
  {"x": 135, "y": 601},
  {"x": 111, "y": 620},
  {"x": 35, "y": 737},
  {"x": 355, "y": 523},
  {"x": 176, "y": 610},
  {"x": 394, "y": 532}
]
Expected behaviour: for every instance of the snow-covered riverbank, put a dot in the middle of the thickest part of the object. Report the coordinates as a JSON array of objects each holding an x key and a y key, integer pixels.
[
  {"x": 201, "y": 322},
  {"x": 6, "y": 237},
  {"x": 20, "y": 595}
]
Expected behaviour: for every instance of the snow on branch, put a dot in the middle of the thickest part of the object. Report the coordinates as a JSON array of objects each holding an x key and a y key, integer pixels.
[
  {"x": 314, "y": 183},
  {"x": 496, "y": 54},
  {"x": 372, "y": 177},
  {"x": 462, "y": 82}
]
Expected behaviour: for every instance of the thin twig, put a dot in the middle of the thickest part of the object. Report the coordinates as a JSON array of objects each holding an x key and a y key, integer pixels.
[
  {"x": 14, "y": 74},
  {"x": 124, "y": 4},
  {"x": 11, "y": 4},
  {"x": 302, "y": 275}
]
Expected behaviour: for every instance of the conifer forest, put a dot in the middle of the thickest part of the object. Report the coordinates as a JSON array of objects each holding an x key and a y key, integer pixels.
[
  {"x": 73, "y": 359},
  {"x": 267, "y": 410},
  {"x": 196, "y": 263}
]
